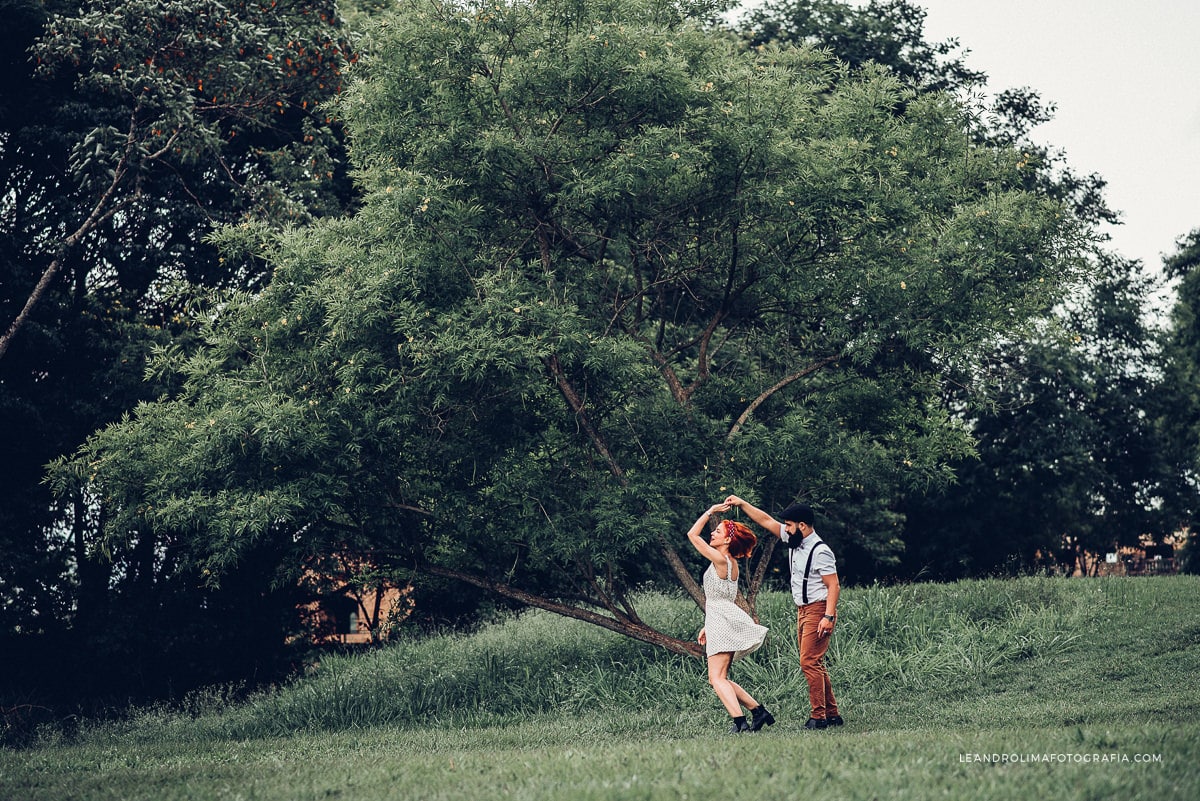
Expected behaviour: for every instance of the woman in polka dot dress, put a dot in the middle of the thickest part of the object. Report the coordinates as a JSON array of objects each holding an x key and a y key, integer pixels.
[{"x": 729, "y": 633}]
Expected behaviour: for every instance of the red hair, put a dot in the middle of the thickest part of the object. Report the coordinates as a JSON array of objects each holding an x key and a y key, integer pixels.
[{"x": 741, "y": 538}]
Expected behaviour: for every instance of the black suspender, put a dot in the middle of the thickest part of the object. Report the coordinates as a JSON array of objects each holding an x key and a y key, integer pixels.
[{"x": 807, "y": 570}]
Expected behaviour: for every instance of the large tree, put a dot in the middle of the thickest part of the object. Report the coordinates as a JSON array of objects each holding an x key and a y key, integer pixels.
[
  {"x": 890, "y": 33},
  {"x": 610, "y": 266},
  {"x": 128, "y": 130},
  {"x": 1073, "y": 458},
  {"x": 144, "y": 146},
  {"x": 1180, "y": 421}
]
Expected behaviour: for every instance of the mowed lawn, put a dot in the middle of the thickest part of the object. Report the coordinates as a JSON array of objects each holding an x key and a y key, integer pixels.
[{"x": 1036, "y": 688}]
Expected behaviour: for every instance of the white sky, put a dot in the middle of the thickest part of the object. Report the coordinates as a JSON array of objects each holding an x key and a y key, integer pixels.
[{"x": 1125, "y": 77}]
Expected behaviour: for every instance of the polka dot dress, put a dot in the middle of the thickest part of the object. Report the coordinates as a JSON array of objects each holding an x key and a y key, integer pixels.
[{"x": 726, "y": 624}]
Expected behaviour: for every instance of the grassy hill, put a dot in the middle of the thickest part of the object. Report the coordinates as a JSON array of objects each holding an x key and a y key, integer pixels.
[{"x": 1042, "y": 687}]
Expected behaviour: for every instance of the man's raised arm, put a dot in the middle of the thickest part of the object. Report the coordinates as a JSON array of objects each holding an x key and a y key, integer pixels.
[{"x": 755, "y": 514}]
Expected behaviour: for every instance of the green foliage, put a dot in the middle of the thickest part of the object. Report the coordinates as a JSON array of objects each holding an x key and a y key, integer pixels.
[
  {"x": 178, "y": 82},
  {"x": 1073, "y": 457},
  {"x": 1182, "y": 424},
  {"x": 890, "y": 34},
  {"x": 608, "y": 265},
  {"x": 885, "y": 32},
  {"x": 127, "y": 131}
]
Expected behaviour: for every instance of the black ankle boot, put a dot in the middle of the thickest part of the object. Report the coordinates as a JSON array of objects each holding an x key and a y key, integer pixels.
[
  {"x": 760, "y": 717},
  {"x": 739, "y": 725}
]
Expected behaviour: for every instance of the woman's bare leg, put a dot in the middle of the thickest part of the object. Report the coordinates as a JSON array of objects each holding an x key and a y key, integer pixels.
[{"x": 732, "y": 696}]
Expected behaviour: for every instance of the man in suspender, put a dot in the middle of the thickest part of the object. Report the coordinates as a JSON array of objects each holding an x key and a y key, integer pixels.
[{"x": 815, "y": 590}]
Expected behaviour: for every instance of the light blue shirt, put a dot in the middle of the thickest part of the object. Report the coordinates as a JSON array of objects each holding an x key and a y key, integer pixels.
[{"x": 823, "y": 564}]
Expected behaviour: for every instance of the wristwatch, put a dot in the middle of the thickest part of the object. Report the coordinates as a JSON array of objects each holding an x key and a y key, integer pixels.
[{"x": 831, "y": 618}]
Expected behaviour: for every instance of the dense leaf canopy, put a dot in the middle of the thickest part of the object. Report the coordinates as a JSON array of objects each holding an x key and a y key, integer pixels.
[
  {"x": 610, "y": 266},
  {"x": 127, "y": 131}
]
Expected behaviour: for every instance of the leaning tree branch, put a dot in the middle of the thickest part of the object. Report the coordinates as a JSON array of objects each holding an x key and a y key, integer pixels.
[
  {"x": 782, "y": 383},
  {"x": 101, "y": 211},
  {"x": 628, "y": 628},
  {"x": 760, "y": 571},
  {"x": 577, "y": 406},
  {"x": 682, "y": 574},
  {"x": 98, "y": 214}
]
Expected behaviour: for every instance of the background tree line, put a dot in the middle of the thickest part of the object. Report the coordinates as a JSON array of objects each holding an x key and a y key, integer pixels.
[{"x": 583, "y": 268}]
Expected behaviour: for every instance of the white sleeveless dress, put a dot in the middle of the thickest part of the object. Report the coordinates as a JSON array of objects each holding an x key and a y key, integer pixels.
[{"x": 727, "y": 626}]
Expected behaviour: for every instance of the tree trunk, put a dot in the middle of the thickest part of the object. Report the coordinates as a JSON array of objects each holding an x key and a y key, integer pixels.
[
  {"x": 624, "y": 626},
  {"x": 576, "y": 404},
  {"x": 105, "y": 207}
]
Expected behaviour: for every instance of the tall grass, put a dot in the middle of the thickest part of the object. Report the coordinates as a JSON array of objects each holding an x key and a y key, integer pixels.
[
  {"x": 950, "y": 637},
  {"x": 539, "y": 708},
  {"x": 891, "y": 641}
]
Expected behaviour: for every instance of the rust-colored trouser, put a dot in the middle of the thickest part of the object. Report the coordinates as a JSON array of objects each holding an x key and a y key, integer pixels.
[{"x": 812, "y": 660}]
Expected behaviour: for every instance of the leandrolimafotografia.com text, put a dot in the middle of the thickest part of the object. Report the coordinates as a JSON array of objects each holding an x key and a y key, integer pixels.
[{"x": 1061, "y": 758}]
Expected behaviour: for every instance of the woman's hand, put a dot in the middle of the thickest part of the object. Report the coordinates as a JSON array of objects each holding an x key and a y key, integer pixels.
[
  {"x": 703, "y": 638},
  {"x": 695, "y": 533}
]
